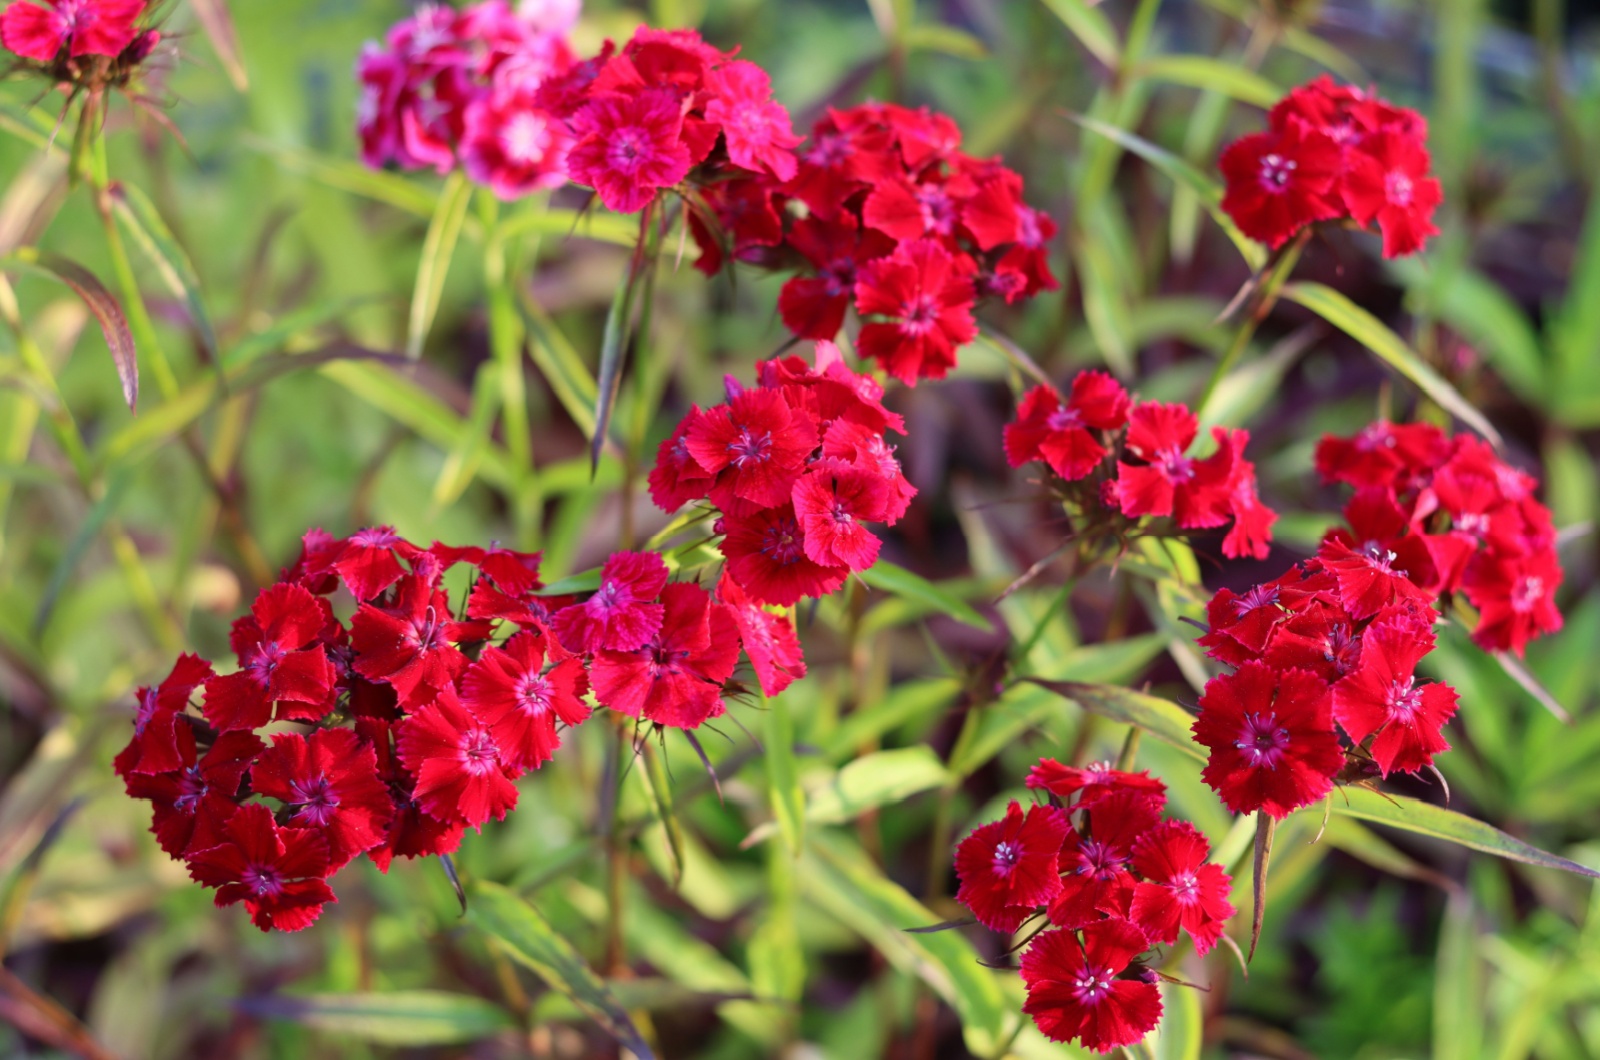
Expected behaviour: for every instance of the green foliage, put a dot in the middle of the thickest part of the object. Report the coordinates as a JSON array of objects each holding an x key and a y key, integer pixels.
[{"x": 327, "y": 345}]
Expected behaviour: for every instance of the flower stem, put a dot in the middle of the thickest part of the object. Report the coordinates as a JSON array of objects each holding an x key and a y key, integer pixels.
[{"x": 1270, "y": 282}]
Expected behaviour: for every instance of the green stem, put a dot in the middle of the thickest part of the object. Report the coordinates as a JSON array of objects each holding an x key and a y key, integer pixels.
[
  {"x": 1276, "y": 274},
  {"x": 505, "y": 337},
  {"x": 144, "y": 332},
  {"x": 616, "y": 955},
  {"x": 1130, "y": 749}
]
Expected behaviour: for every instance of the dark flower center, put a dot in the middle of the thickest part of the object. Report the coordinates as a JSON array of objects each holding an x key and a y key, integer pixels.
[{"x": 1262, "y": 740}]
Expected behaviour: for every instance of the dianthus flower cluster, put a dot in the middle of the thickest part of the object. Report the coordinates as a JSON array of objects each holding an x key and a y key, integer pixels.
[
  {"x": 393, "y": 731},
  {"x": 1334, "y": 643},
  {"x": 668, "y": 111},
  {"x": 885, "y": 213},
  {"x": 461, "y": 88},
  {"x": 1333, "y": 152},
  {"x": 1111, "y": 880},
  {"x": 79, "y": 41},
  {"x": 1116, "y": 463},
  {"x": 795, "y": 468}
]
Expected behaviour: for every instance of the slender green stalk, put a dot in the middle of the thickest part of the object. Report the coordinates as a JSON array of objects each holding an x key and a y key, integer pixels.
[{"x": 1274, "y": 276}]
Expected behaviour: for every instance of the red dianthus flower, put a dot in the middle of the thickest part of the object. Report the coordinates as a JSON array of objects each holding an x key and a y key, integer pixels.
[
  {"x": 1058, "y": 432},
  {"x": 280, "y": 661},
  {"x": 1273, "y": 745},
  {"x": 457, "y": 763},
  {"x": 1382, "y": 696},
  {"x": 1007, "y": 868},
  {"x": 509, "y": 689},
  {"x": 926, "y": 295},
  {"x": 278, "y": 873},
  {"x": 328, "y": 783},
  {"x": 629, "y": 146},
  {"x": 1279, "y": 182},
  {"x": 76, "y": 27},
  {"x": 1178, "y": 887},
  {"x": 1075, "y": 989},
  {"x": 622, "y": 613}
]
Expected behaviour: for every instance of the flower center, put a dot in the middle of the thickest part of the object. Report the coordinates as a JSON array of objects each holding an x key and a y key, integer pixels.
[
  {"x": 783, "y": 543},
  {"x": 533, "y": 696},
  {"x": 1174, "y": 465},
  {"x": 317, "y": 799},
  {"x": 263, "y": 880},
  {"x": 1064, "y": 419},
  {"x": 1092, "y": 985},
  {"x": 1099, "y": 860},
  {"x": 627, "y": 145},
  {"x": 919, "y": 315},
  {"x": 1006, "y": 856},
  {"x": 840, "y": 515},
  {"x": 1186, "y": 888},
  {"x": 1526, "y": 593},
  {"x": 938, "y": 213},
  {"x": 1374, "y": 437},
  {"x": 1403, "y": 700},
  {"x": 750, "y": 447},
  {"x": 828, "y": 150},
  {"x": 1379, "y": 558},
  {"x": 1276, "y": 171},
  {"x": 1398, "y": 189},
  {"x": 193, "y": 787},
  {"x": 479, "y": 752},
  {"x": 525, "y": 139},
  {"x": 1260, "y": 596},
  {"x": 1263, "y": 740}
]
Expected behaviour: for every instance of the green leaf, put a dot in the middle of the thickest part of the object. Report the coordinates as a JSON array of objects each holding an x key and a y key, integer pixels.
[
  {"x": 1487, "y": 317},
  {"x": 104, "y": 308},
  {"x": 218, "y": 24},
  {"x": 1372, "y": 333},
  {"x": 1208, "y": 191},
  {"x": 401, "y": 1017},
  {"x": 945, "y": 40},
  {"x": 1180, "y": 1033},
  {"x": 613, "y": 347},
  {"x": 1200, "y": 71},
  {"x": 1423, "y": 818},
  {"x": 557, "y": 359},
  {"x": 1092, "y": 28},
  {"x": 1575, "y": 330},
  {"x": 898, "y": 581},
  {"x": 161, "y": 248},
  {"x": 875, "y": 780},
  {"x": 533, "y": 943},
  {"x": 659, "y": 787},
  {"x": 1164, "y": 720},
  {"x": 438, "y": 247},
  {"x": 461, "y": 465},
  {"x": 1458, "y": 1031},
  {"x": 839, "y": 879},
  {"x": 351, "y": 176},
  {"x": 588, "y": 224},
  {"x": 902, "y": 704},
  {"x": 88, "y": 529},
  {"x": 783, "y": 782},
  {"x": 1105, "y": 304}
]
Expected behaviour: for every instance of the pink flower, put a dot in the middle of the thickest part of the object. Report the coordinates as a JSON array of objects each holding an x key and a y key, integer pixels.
[
  {"x": 512, "y": 147},
  {"x": 629, "y": 146},
  {"x": 521, "y": 701},
  {"x": 78, "y": 27},
  {"x": 622, "y": 614},
  {"x": 676, "y": 678},
  {"x": 1060, "y": 432},
  {"x": 1179, "y": 888},
  {"x": 769, "y": 639},
  {"x": 832, "y": 505},
  {"x": 755, "y": 128},
  {"x": 755, "y": 445}
]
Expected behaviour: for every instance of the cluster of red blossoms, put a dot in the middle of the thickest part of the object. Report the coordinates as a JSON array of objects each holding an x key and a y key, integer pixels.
[
  {"x": 1332, "y": 152},
  {"x": 1111, "y": 880},
  {"x": 79, "y": 40},
  {"x": 391, "y": 733},
  {"x": 1336, "y": 640},
  {"x": 795, "y": 467},
  {"x": 462, "y": 86},
  {"x": 1153, "y": 474},
  {"x": 885, "y": 213},
  {"x": 665, "y": 106}
]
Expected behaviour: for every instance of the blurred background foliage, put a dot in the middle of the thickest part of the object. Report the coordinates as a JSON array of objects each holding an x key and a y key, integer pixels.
[{"x": 155, "y": 533}]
